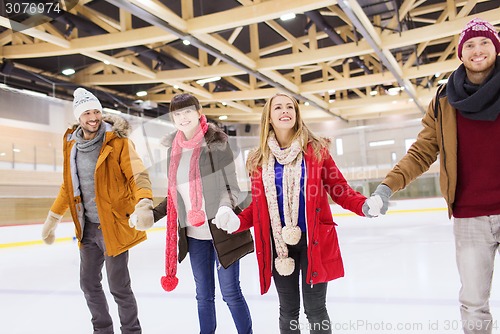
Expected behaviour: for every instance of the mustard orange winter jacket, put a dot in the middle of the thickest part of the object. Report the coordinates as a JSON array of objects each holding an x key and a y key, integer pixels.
[{"x": 121, "y": 180}]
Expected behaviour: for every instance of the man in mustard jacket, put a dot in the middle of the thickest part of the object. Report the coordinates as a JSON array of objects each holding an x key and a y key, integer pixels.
[
  {"x": 104, "y": 182},
  {"x": 463, "y": 127}
]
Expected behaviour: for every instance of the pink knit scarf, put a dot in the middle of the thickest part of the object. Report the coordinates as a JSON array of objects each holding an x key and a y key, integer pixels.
[{"x": 195, "y": 216}]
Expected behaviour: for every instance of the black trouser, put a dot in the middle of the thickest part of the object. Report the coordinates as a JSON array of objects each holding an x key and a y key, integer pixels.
[{"x": 289, "y": 296}]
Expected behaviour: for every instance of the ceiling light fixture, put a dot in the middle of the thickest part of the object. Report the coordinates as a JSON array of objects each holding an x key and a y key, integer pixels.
[
  {"x": 68, "y": 71},
  {"x": 141, "y": 93},
  {"x": 394, "y": 91},
  {"x": 223, "y": 117},
  {"x": 286, "y": 17},
  {"x": 201, "y": 82}
]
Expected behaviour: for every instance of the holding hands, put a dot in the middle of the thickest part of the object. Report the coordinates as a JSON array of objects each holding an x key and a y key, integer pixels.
[
  {"x": 378, "y": 203},
  {"x": 142, "y": 218},
  {"x": 226, "y": 220}
]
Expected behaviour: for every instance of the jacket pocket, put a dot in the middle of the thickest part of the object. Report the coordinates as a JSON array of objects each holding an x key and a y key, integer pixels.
[
  {"x": 328, "y": 242},
  {"x": 121, "y": 229}
]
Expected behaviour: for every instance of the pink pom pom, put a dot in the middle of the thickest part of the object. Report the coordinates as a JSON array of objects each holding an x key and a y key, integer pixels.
[
  {"x": 196, "y": 217},
  {"x": 169, "y": 283}
]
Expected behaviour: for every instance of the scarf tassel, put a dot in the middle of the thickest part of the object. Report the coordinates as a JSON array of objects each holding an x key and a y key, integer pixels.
[
  {"x": 284, "y": 266},
  {"x": 169, "y": 283},
  {"x": 291, "y": 234}
]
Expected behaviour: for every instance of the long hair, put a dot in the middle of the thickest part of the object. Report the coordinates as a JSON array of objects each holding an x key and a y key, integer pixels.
[{"x": 259, "y": 155}]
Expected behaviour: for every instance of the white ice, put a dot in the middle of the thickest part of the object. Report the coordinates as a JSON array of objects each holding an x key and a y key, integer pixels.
[{"x": 400, "y": 278}]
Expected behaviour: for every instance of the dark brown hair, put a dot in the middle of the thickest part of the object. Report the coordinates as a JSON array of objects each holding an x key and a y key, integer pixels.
[{"x": 184, "y": 100}]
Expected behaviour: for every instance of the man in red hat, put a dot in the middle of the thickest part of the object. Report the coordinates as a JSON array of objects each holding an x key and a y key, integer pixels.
[{"x": 462, "y": 126}]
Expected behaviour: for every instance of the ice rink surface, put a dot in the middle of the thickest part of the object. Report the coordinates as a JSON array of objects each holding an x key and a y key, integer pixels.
[{"x": 400, "y": 278}]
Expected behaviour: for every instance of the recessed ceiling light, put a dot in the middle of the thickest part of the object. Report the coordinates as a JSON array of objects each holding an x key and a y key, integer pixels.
[
  {"x": 141, "y": 93},
  {"x": 223, "y": 117},
  {"x": 68, "y": 71}
]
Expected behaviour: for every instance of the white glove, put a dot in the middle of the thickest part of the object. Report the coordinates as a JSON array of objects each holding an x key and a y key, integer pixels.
[
  {"x": 226, "y": 220},
  {"x": 142, "y": 218},
  {"x": 372, "y": 206},
  {"x": 49, "y": 227}
]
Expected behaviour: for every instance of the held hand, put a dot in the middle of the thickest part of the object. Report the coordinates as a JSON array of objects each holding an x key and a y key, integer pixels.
[
  {"x": 371, "y": 207},
  {"x": 385, "y": 193},
  {"x": 49, "y": 227},
  {"x": 226, "y": 220},
  {"x": 142, "y": 218}
]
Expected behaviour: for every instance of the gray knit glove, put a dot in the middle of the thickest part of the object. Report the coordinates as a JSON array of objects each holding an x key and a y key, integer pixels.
[{"x": 385, "y": 193}]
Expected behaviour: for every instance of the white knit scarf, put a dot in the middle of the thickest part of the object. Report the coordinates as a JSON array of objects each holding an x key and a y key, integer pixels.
[{"x": 291, "y": 159}]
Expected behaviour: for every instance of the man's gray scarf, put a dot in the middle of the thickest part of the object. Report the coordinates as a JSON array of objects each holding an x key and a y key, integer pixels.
[{"x": 476, "y": 102}]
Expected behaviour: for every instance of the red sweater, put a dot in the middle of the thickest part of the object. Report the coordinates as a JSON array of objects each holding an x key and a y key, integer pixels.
[{"x": 478, "y": 184}]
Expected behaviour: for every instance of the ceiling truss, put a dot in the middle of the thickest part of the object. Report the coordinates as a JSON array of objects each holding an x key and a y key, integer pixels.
[{"x": 340, "y": 59}]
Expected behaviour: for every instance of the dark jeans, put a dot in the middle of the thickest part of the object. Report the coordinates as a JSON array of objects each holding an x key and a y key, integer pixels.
[
  {"x": 92, "y": 259},
  {"x": 203, "y": 260},
  {"x": 289, "y": 296}
]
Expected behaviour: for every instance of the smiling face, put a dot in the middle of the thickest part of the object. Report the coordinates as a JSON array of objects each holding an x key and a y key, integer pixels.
[
  {"x": 479, "y": 56},
  {"x": 186, "y": 120},
  {"x": 90, "y": 121},
  {"x": 283, "y": 114}
]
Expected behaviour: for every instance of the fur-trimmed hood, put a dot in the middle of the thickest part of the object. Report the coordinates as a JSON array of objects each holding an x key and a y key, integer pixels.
[
  {"x": 116, "y": 124},
  {"x": 215, "y": 137}
]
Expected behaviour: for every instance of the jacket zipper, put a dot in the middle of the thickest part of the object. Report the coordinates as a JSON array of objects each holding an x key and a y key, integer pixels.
[{"x": 440, "y": 120}]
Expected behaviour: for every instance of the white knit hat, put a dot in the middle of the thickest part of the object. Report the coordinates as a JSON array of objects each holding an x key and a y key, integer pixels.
[{"x": 83, "y": 101}]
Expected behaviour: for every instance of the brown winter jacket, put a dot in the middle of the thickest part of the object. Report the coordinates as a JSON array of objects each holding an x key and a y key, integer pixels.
[
  {"x": 439, "y": 136},
  {"x": 229, "y": 247},
  {"x": 121, "y": 180}
]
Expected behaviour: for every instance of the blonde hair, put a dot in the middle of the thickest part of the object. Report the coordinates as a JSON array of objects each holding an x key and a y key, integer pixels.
[{"x": 259, "y": 155}]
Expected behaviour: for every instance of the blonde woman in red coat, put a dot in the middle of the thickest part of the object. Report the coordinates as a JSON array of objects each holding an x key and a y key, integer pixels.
[{"x": 292, "y": 174}]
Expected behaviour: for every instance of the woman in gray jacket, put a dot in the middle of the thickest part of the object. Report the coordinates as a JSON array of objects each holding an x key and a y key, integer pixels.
[{"x": 202, "y": 184}]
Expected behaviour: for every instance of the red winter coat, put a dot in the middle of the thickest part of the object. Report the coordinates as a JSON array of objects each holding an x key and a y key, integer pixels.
[{"x": 324, "y": 259}]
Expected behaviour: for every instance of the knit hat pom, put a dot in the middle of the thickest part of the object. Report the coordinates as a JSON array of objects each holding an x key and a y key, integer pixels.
[
  {"x": 169, "y": 283},
  {"x": 284, "y": 266},
  {"x": 291, "y": 234},
  {"x": 196, "y": 217}
]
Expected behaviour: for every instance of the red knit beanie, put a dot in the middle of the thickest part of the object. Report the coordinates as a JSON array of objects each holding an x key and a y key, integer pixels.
[{"x": 478, "y": 28}]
